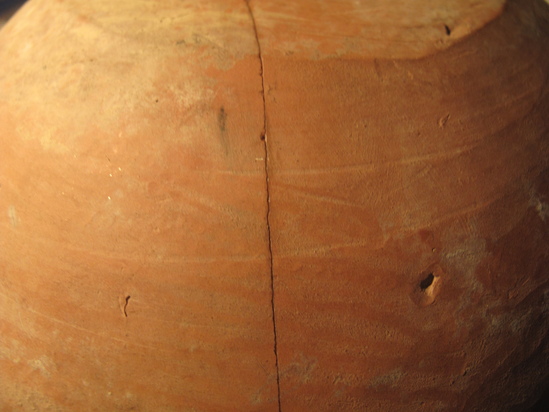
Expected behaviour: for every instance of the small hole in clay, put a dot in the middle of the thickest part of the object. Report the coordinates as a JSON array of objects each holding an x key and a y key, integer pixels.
[
  {"x": 428, "y": 286},
  {"x": 428, "y": 281},
  {"x": 262, "y": 137},
  {"x": 448, "y": 31}
]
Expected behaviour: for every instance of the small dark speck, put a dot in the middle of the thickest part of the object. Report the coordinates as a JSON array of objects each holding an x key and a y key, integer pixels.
[
  {"x": 156, "y": 100},
  {"x": 222, "y": 119},
  {"x": 448, "y": 31}
]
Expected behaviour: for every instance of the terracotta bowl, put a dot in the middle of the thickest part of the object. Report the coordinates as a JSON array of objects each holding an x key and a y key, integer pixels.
[{"x": 232, "y": 205}]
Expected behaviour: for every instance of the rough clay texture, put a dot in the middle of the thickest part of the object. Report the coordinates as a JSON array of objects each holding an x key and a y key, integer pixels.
[{"x": 228, "y": 205}]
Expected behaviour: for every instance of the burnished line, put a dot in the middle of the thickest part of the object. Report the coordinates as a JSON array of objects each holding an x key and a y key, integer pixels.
[{"x": 266, "y": 155}]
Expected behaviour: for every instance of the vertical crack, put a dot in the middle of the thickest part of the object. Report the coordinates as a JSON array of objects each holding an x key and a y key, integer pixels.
[{"x": 263, "y": 137}]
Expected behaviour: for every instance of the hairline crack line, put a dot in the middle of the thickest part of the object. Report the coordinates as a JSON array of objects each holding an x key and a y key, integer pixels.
[{"x": 266, "y": 155}]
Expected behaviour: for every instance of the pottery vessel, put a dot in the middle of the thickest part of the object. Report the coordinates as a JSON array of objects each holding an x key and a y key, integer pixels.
[{"x": 264, "y": 205}]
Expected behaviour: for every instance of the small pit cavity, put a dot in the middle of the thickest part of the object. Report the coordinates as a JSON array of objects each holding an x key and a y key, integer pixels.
[
  {"x": 428, "y": 286},
  {"x": 427, "y": 282}
]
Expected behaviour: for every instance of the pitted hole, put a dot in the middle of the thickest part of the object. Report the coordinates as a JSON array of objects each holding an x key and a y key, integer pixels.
[
  {"x": 448, "y": 31},
  {"x": 427, "y": 282},
  {"x": 427, "y": 285}
]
